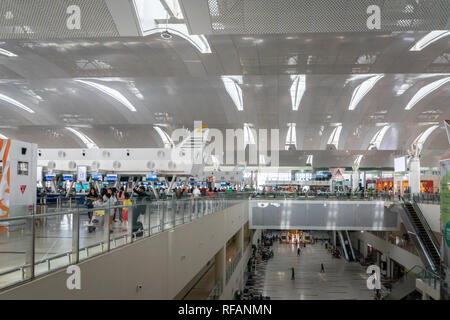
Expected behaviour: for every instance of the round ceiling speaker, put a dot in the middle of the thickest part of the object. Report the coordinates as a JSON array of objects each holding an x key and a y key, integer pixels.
[
  {"x": 95, "y": 165},
  {"x": 106, "y": 154},
  {"x": 61, "y": 154},
  {"x": 51, "y": 165},
  {"x": 172, "y": 165},
  {"x": 161, "y": 154},
  {"x": 72, "y": 165},
  {"x": 117, "y": 165},
  {"x": 151, "y": 165}
]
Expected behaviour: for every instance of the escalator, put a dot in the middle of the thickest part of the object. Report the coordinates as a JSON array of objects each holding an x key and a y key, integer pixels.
[
  {"x": 347, "y": 246},
  {"x": 422, "y": 235}
]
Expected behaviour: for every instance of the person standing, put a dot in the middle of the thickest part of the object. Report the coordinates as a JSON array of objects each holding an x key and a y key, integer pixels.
[
  {"x": 322, "y": 269},
  {"x": 293, "y": 273},
  {"x": 298, "y": 251}
]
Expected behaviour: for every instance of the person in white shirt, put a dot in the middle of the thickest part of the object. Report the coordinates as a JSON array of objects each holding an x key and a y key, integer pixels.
[{"x": 196, "y": 192}]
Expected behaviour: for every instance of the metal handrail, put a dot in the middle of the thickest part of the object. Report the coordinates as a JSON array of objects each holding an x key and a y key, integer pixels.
[{"x": 186, "y": 208}]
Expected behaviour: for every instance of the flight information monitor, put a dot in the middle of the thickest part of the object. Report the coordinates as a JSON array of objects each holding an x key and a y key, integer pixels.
[
  {"x": 67, "y": 177},
  {"x": 96, "y": 177},
  {"x": 111, "y": 177}
]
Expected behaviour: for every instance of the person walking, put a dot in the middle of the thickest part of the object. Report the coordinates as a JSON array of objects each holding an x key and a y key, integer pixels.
[
  {"x": 322, "y": 269},
  {"x": 293, "y": 273},
  {"x": 298, "y": 251}
]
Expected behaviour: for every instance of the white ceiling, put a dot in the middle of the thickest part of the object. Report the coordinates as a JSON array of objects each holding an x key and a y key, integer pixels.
[{"x": 171, "y": 82}]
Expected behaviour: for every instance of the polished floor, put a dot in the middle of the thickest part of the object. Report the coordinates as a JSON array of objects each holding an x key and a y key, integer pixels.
[{"x": 341, "y": 280}]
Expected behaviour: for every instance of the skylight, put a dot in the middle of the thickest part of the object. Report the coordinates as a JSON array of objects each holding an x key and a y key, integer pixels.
[
  {"x": 357, "y": 161},
  {"x": 310, "y": 160},
  {"x": 426, "y": 90},
  {"x": 297, "y": 90},
  {"x": 334, "y": 137},
  {"x": 7, "y": 53},
  {"x": 291, "y": 136},
  {"x": 110, "y": 92},
  {"x": 90, "y": 144},
  {"x": 420, "y": 140},
  {"x": 361, "y": 90},
  {"x": 429, "y": 38},
  {"x": 168, "y": 142},
  {"x": 232, "y": 85},
  {"x": 378, "y": 138},
  {"x": 249, "y": 137},
  {"x": 15, "y": 103}
]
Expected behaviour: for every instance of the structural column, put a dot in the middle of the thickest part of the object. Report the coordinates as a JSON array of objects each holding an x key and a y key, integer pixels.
[
  {"x": 414, "y": 175},
  {"x": 355, "y": 180}
]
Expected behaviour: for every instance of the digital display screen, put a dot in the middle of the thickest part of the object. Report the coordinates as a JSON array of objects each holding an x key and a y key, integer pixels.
[
  {"x": 96, "y": 177},
  {"x": 111, "y": 177},
  {"x": 223, "y": 184},
  {"x": 67, "y": 177},
  {"x": 50, "y": 177},
  {"x": 151, "y": 177}
]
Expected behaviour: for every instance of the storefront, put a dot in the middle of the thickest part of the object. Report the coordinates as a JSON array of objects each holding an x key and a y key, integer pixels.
[{"x": 385, "y": 184}]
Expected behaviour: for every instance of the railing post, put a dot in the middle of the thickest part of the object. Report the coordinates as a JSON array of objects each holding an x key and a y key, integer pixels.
[
  {"x": 76, "y": 236},
  {"x": 106, "y": 231}
]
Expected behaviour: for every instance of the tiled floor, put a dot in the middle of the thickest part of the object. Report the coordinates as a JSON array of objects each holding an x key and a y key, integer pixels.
[{"x": 341, "y": 280}]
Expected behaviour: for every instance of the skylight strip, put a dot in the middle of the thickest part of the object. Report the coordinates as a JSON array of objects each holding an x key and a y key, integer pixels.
[
  {"x": 232, "y": 85},
  {"x": 424, "y": 135},
  {"x": 378, "y": 138},
  {"x": 110, "y": 92},
  {"x": 7, "y": 53},
  {"x": 429, "y": 38},
  {"x": 15, "y": 103},
  {"x": 297, "y": 90},
  {"x": 90, "y": 144},
  {"x": 426, "y": 90},
  {"x": 362, "y": 90},
  {"x": 168, "y": 142}
]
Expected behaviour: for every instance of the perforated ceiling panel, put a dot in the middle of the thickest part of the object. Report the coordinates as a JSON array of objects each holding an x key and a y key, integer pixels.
[
  {"x": 47, "y": 19},
  {"x": 296, "y": 16}
]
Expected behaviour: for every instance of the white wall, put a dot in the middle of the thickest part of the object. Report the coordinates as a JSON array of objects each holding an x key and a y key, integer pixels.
[
  {"x": 432, "y": 212},
  {"x": 163, "y": 264}
]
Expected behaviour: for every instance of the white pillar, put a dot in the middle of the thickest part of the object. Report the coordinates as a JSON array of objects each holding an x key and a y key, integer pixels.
[
  {"x": 355, "y": 180},
  {"x": 414, "y": 175}
]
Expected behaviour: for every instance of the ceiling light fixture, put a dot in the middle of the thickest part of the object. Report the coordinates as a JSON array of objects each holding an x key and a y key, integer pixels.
[
  {"x": 361, "y": 90},
  {"x": 110, "y": 92},
  {"x": 15, "y": 103},
  {"x": 90, "y": 144},
  {"x": 233, "y": 86},
  {"x": 297, "y": 90},
  {"x": 429, "y": 38},
  {"x": 426, "y": 90}
]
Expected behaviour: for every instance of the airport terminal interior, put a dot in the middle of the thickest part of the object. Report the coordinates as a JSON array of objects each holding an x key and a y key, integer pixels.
[{"x": 225, "y": 149}]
